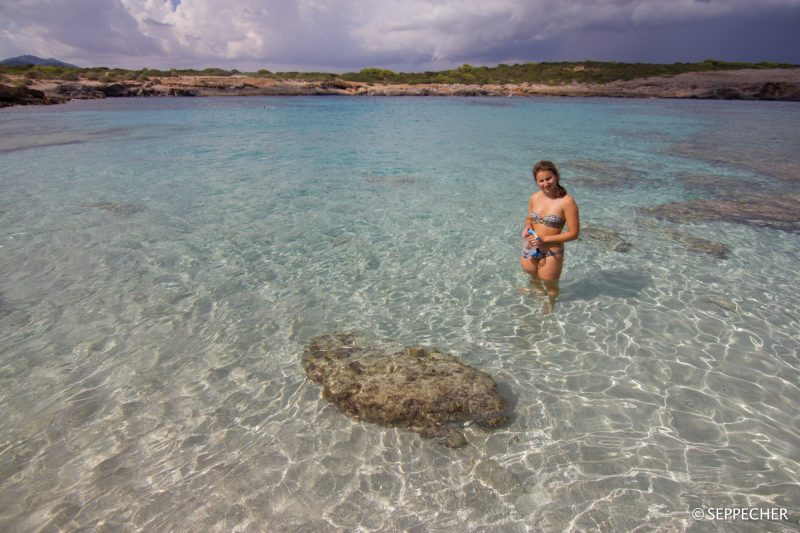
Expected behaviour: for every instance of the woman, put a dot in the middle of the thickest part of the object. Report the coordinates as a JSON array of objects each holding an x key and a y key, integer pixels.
[{"x": 549, "y": 209}]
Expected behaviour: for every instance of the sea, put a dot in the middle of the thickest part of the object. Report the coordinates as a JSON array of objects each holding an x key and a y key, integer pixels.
[{"x": 164, "y": 262}]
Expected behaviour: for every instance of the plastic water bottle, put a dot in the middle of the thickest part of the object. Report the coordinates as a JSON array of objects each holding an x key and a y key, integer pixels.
[{"x": 529, "y": 252}]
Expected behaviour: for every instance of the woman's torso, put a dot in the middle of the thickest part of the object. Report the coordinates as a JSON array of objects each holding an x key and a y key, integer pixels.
[{"x": 547, "y": 216}]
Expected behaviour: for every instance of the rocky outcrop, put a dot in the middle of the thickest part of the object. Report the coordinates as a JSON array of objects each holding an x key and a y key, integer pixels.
[
  {"x": 746, "y": 84},
  {"x": 10, "y": 96},
  {"x": 79, "y": 91},
  {"x": 116, "y": 90},
  {"x": 418, "y": 388},
  {"x": 777, "y": 91},
  {"x": 178, "y": 91}
]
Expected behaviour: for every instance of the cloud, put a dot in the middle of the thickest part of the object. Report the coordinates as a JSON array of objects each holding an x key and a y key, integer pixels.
[{"x": 347, "y": 34}]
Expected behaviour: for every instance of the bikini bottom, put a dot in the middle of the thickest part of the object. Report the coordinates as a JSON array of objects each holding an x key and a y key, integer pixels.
[{"x": 555, "y": 252}]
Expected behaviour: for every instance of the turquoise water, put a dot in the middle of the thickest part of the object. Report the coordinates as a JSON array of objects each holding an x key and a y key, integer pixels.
[{"x": 164, "y": 261}]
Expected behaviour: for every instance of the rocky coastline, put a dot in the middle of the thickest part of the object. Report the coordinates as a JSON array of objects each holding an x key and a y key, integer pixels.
[{"x": 745, "y": 84}]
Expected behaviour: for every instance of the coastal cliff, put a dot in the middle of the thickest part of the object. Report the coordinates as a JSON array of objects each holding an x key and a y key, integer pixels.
[{"x": 745, "y": 84}]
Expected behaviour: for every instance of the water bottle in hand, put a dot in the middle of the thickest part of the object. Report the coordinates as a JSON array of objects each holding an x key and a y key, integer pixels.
[{"x": 531, "y": 252}]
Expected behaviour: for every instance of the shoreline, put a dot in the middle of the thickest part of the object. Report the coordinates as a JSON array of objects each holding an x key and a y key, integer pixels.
[{"x": 745, "y": 84}]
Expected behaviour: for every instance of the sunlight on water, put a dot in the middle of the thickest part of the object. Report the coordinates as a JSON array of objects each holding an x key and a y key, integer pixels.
[{"x": 164, "y": 261}]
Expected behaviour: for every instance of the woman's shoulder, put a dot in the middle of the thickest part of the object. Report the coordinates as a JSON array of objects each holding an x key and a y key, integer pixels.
[{"x": 568, "y": 199}]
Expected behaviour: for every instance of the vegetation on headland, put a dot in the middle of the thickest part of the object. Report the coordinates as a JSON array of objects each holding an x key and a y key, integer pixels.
[{"x": 550, "y": 73}]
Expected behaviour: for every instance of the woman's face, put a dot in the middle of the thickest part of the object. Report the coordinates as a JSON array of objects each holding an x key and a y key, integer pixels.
[{"x": 546, "y": 181}]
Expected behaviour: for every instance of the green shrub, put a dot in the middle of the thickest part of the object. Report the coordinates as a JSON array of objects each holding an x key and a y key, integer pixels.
[
  {"x": 374, "y": 75},
  {"x": 153, "y": 73},
  {"x": 555, "y": 73},
  {"x": 215, "y": 72}
]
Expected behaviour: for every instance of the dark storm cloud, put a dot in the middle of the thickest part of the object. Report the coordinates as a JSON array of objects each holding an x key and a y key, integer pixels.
[
  {"x": 756, "y": 38},
  {"x": 409, "y": 34}
]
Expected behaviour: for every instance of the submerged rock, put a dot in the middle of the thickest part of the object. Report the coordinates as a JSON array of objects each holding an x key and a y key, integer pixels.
[
  {"x": 698, "y": 244},
  {"x": 720, "y": 301},
  {"x": 720, "y": 185},
  {"x": 763, "y": 211},
  {"x": 690, "y": 242},
  {"x": 418, "y": 388},
  {"x": 400, "y": 179},
  {"x": 116, "y": 208},
  {"x": 610, "y": 238},
  {"x": 603, "y": 174}
]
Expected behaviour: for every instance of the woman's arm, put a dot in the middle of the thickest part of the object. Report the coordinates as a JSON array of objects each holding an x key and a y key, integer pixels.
[
  {"x": 573, "y": 224},
  {"x": 527, "y": 224}
]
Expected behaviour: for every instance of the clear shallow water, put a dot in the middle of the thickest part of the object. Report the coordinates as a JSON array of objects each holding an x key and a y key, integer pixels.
[{"x": 164, "y": 261}]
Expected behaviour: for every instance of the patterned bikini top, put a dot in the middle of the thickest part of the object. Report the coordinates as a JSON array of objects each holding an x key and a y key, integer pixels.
[{"x": 551, "y": 221}]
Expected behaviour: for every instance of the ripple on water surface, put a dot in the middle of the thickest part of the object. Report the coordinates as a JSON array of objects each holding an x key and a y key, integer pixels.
[{"x": 163, "y": 262}]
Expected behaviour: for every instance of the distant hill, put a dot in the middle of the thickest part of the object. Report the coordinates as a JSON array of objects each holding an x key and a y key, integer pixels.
[{"x": 21, "y": 61}]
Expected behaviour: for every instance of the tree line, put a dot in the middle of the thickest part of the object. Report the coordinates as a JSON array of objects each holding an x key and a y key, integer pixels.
[{"x": 551, "y": 73}]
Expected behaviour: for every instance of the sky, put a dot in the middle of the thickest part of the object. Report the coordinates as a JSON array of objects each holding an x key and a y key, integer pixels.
[{"x": 400, "y": 35}]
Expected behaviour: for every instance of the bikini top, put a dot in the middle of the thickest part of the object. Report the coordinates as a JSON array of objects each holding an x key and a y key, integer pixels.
[{"x": 551, "y": 221}]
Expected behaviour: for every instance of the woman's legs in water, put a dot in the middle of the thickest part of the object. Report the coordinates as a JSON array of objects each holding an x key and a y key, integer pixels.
[
  {"x": 550, "y": 272},
  {"x": 545, "y": 271},
  {"x": 531, "y": 268}
]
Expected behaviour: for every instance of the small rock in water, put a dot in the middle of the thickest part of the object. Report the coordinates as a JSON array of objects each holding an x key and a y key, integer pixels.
[
  {"x": 116, "y": 208},
  {"x": 689, "y": 242},
  {"x": 400, "y": 179},
  {"x": 698, "y": 244},
  {"x": 419, "y": 388},
  {"x": 721, "y": 302},
  {"x": 610, "y": 238}
]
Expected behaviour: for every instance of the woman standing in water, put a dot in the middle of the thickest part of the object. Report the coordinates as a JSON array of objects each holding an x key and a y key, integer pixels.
[{"x": 549, "y": 209}]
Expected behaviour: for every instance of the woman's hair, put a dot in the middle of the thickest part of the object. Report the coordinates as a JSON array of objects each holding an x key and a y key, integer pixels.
[{"x": 549, "y": 165}]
